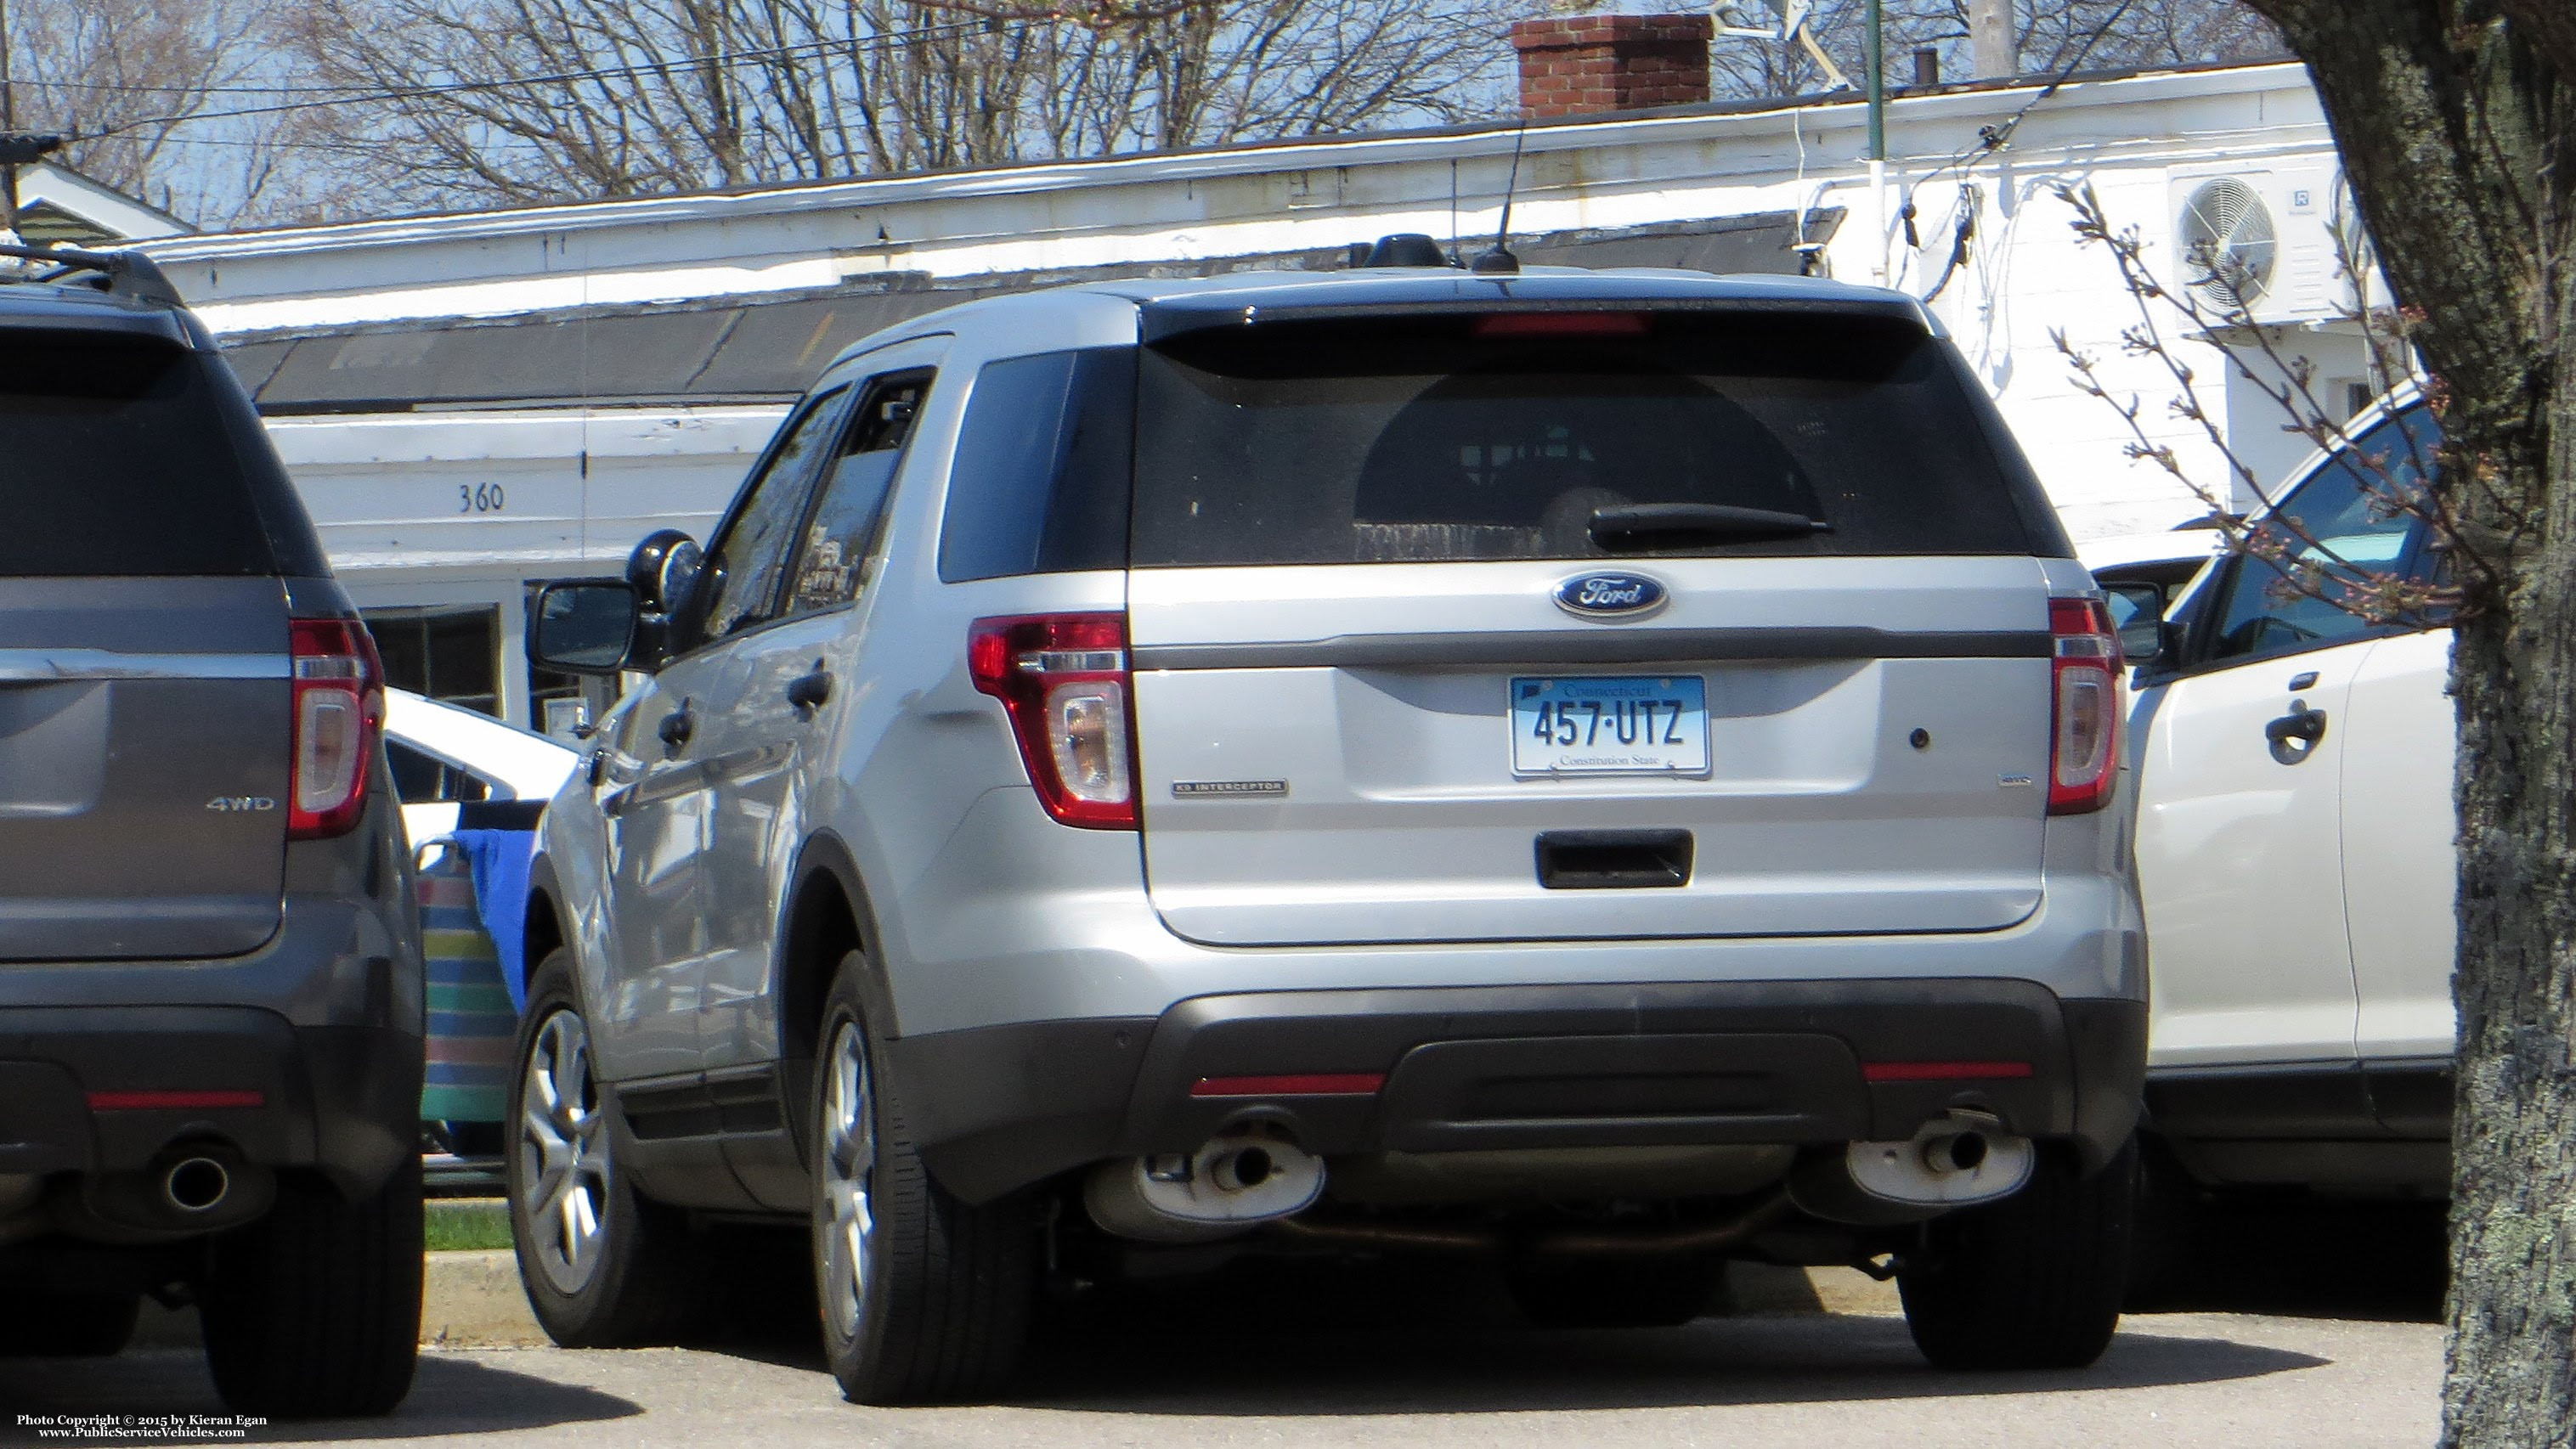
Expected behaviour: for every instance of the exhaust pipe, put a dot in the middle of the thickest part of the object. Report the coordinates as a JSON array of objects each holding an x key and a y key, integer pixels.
[
  {"x": 1239, "y": 1178},
  {"x": 196, "y": 1184},
  {"x": 187, "y": 1189},
  {"x": 1958, "y": 1159}
]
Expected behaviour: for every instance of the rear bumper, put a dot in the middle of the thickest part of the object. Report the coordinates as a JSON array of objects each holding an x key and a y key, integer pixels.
[
  {"x": 324, "y": 1022},
  {"x": 83, "y": 1090},
  {"x": 997, "y": 1108}
]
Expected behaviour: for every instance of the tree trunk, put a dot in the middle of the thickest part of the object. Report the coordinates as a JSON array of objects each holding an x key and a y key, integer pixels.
[{"x": 2452, "y": 120}]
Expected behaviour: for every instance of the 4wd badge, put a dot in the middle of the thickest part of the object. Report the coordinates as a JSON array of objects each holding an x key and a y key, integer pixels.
[{"x": 240, "y": 804}]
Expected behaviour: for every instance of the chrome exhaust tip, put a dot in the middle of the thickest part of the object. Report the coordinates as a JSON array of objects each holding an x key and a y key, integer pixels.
[
  {"x": 1959, "y": 1159},
  {"x": 196, "y": 1184},
  {"x": 1238, "y": 1179},
  {"x": 1954, "y": 1160}
]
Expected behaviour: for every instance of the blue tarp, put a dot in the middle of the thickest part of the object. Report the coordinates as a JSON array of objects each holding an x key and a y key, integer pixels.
[{"x": 499, "y": 859}]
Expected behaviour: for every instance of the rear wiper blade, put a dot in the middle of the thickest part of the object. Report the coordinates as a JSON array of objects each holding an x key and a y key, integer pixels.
[{"x": 1669, "y": 525}]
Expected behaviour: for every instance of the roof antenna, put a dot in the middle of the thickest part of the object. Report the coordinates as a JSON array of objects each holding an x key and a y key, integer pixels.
[
  {"x": 1453, "y": 211},
  {"x": 1498, "y": 261}
]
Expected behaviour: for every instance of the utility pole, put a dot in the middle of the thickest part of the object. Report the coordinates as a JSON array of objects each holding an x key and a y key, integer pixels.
[
  {"x": 1874, "y": 52},
  {"x": 17, "y": 147},
  {"x": 8, "y": 126},
  {"x": 1996, "y": 50}
]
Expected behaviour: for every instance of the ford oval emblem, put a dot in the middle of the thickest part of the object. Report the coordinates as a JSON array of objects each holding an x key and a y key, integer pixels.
[{"x": 1610, "y": 595}]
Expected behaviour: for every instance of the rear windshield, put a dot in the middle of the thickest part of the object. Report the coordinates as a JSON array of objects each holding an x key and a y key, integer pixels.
[
  {"x": 120, "y": 457},
  {"x": 1460, "y": 437}
]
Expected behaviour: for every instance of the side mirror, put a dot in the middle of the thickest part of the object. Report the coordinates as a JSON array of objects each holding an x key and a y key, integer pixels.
[
  {"x": 2138, "y": 616},
  {"x": 583, "y": 626}
]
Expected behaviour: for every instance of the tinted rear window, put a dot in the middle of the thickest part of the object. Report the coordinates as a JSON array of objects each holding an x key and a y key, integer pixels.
[
  {"x": 1442, "y": 438},
  {"x": 120, "y": 457}
]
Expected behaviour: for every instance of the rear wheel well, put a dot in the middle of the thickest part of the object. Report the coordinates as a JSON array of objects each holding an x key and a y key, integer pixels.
[
  {"x": 822, "y": 928},
  {"x": 544, "y": 931}
]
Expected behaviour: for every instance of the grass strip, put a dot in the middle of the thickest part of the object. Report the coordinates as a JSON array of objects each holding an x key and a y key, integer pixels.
[{"x": 466, "y": 1225}]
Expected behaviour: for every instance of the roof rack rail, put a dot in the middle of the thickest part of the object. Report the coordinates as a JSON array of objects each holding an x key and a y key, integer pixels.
[{"x": 128, "y": 274}]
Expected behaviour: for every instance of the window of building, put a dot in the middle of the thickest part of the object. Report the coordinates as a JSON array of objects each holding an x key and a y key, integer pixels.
[{"x": 450, "y": 653}]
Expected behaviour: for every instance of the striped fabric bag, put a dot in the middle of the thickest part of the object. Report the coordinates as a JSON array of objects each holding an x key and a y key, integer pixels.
[{"x": 471, "y": 1021}]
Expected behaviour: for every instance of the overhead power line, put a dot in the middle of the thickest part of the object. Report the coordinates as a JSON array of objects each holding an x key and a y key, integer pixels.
[
  {"x": 726, "y": 60},
  {"x": 1991, "y": 139}
]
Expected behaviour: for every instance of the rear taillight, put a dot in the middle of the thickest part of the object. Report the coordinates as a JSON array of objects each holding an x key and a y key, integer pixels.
[
  {"x": 339, "y": 706},
  {"x": 2083, "y": 746},
  {"x": 1063, "y": 679}
]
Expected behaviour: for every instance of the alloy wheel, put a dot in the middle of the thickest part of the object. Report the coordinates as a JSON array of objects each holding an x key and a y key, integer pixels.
[
  {"x": 563, "y": 1155},
  {"x": 849, "y": 1161}
]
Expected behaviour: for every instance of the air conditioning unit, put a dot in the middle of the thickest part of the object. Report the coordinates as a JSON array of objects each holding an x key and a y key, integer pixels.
[{"x": 2260, "y": 242}]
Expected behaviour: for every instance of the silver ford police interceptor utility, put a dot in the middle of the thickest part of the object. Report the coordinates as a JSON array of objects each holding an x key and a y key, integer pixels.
[{"x": 1604, "y": 770}]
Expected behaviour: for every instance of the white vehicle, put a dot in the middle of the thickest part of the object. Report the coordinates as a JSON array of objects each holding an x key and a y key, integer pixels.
[
  {"x": 2294, "y": 844},
  {"x": 444, "y": 755}
]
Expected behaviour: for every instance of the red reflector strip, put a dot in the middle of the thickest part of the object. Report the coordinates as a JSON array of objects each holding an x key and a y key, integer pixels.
[
  {"x": 1942, "y": 1071},
  {"x": 1303, "y": 1084},
  {"x": 172, "y": 1101}
]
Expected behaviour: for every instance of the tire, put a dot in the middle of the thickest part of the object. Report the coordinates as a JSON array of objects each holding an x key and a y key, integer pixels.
[
  {"x": 2032, "y": 1282},
  {"x": 313, "y": 1311},
  {"x": 1617, "y": 1292},
  {"x": 603, "y": 1267},
  {"x": 68, "y": 1325},
  {"x": 923, "y": 1299}
]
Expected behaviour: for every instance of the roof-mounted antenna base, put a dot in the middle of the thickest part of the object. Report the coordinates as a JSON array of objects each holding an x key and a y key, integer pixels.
[{"x": 1495, "y": 261}]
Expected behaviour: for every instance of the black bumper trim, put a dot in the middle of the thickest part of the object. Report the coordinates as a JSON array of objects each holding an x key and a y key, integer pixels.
[
  {"x": 343, "y": 1099},
  {"x": 997, "y": 1108}
]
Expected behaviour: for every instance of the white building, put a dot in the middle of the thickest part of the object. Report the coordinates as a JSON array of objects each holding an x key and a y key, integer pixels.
[
  {"x": 473, "y": 401},
  {"x": 58, "y": 206}
]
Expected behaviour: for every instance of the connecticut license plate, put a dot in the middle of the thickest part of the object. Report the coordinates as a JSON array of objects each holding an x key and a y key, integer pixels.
[{"x": 1627, "y": 724}]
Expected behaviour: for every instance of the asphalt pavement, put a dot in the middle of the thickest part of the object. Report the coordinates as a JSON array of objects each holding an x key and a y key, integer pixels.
[
  {"x": 1215, "y": 1381},
  {"x": 2302, "y": 1328}
]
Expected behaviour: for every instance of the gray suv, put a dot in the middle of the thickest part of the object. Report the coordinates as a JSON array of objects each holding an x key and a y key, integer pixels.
[
  {"x": 210, "y": 978},
  {"x": 1608, "y": 772}
]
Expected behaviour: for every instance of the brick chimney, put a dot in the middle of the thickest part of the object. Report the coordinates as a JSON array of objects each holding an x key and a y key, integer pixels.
[{"x": 1611, "y": 63}]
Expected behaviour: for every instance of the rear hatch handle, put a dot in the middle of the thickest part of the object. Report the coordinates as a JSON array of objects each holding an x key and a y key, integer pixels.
[{"x": 1596, "y": 860}]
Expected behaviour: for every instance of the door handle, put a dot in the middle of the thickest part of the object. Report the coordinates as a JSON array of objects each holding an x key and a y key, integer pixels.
[
  {"x": 2302, "y": 725},
  {"x": 676, "y": 728},
  {"x": 808, "y": 691}
]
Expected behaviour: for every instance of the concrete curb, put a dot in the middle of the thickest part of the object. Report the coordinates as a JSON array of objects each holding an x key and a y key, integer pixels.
[{"x": 474, "y": 1300}]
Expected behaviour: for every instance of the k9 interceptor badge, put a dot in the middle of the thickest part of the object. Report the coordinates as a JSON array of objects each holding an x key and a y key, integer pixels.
[{"x": 1610, "y": 595}]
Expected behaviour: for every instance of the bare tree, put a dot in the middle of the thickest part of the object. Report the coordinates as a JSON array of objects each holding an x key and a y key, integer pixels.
[
  {"x": 2105, "y": 34},
  {"x": 133, "y": 85},
  {"x": 2210, "y": 307},
  {"x": 466, "y": 101}
]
